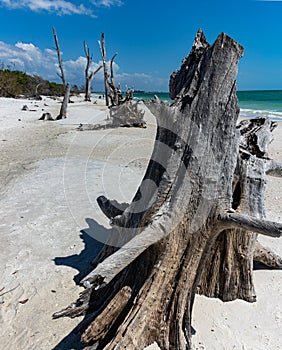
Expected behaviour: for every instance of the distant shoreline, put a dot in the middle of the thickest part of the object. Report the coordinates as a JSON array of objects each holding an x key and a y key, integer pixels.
[{"x": 167, "y": 92}]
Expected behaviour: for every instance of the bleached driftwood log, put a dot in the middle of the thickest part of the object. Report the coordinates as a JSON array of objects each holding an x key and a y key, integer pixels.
[
  {"x": 193, "y": 223},
  {"x": 129, "y": 114}
]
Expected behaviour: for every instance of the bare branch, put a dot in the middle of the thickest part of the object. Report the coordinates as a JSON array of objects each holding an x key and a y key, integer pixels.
[
  {"x": 236, "y": 220},
  {"x": 94, "y": 72},
  {"x": 111, "y": 65},
  {"x": 62, "y": 76},
  {"x": 111, "y": 208},
  {"x": 85, "y": 48},
  {"x": 115, "y": 263}
]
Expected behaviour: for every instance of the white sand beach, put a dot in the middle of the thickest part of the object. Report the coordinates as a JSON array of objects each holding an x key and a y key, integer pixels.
[{"x": 51, "y": 227}]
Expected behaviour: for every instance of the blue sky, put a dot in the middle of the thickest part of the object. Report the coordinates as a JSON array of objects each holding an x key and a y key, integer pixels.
[{"x": 151, "y": 37}]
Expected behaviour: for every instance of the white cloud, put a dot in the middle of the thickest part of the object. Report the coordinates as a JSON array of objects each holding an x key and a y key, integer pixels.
[
  {"x": 29, "y": 58},
  {"x": 107, "y": 3},
  {"x": 60, "y": 7}
]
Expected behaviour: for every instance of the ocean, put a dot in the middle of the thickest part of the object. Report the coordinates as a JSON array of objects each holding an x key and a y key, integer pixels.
[{"x": 252, "y": 104}]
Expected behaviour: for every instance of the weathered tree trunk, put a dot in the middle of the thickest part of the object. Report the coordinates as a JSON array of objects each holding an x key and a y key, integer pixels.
[
  {"x": 63, "y": 110},
  {"x": 112, "y": 90},
  {"x": 248, "y": 197},
  {"x": 104, "y": 59},
  {"x": 192, "y": 202},
  {"x": 89, "y": 76},
  {"x": 62, "y": 75}
]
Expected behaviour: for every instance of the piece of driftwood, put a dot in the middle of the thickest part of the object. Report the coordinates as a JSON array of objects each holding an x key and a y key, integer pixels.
[
  {"x": 192, "y": 225},
  {"x": 129, "y": 114},
  {"x": 46, "y": 116},
  {"x": 89, "y": 76}
]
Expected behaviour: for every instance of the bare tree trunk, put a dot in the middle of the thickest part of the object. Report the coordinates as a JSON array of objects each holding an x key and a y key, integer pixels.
[
  {"x": 248, "y": 197},
  {"x": 104, "y": 58},
  {"x": 63, "y": 110},
  {"x": 112, "y": 91},
  {"x": 89, "y": 76},
  {"x": 62, "y": 75},
  {"x": 178, "y": 236}
]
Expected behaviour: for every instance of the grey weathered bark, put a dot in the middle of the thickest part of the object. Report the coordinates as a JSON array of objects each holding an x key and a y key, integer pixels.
[
  {"x": 63, "y": 110},
  {"x": 89, "y": 76},
  {"x": 128, "y": 114},
  {"x": 249, "y": 183},
  {"x": 184, "y": 216},
  {"x": 112, "y": 90},
  {"x": 62, "y": 75},
  {"x": 104, "y": 59}
]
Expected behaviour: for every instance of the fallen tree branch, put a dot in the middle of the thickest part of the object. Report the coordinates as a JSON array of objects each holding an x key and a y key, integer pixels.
[
  {"x": 111, "y": 208},
  {"x": 264, "y": 227},
  {"x": 115, "y": 263}
]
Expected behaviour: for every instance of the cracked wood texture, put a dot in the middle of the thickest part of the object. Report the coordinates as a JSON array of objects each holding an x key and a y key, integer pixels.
[{"x": 170, "y": 241}]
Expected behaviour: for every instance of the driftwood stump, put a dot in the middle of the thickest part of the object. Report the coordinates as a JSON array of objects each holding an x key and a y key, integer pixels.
[{"x": 193, "y": 223}]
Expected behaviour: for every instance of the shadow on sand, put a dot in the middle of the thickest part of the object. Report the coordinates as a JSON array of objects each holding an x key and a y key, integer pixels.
[{"x": 94, "y": 238}]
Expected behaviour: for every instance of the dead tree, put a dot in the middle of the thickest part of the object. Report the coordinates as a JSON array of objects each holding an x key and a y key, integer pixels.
[
  {"x": 89, "y": 76},
  {"x": 112, "y": 90},
  {"x": 104, "y": 59},
  {"x": 193, "y": 223},
  {"x": 62, "y": 75},
  {"x": 63, "y": 110}
]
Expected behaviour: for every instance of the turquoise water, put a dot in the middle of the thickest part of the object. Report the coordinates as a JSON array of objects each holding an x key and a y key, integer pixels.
[
  {"x": 252, "y": 103},
  {"x": 261, "y": 103}
]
